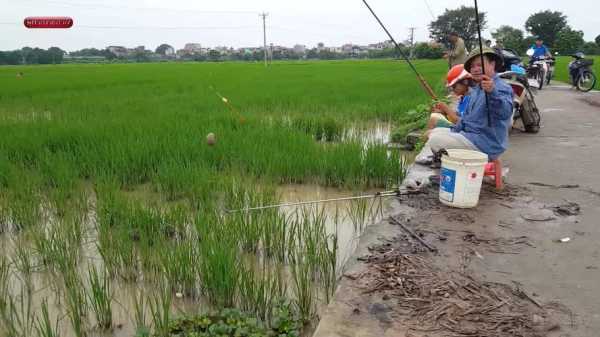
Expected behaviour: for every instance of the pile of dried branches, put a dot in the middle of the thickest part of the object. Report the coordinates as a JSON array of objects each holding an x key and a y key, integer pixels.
[{"x": 453, "y": 303}]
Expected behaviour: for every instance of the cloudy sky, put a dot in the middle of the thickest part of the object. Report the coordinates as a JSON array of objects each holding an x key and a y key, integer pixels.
[{"x": 236, "y": 22}]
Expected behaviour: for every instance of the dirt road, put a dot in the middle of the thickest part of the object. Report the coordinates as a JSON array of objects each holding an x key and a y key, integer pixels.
[{"x": 510, "y": 238}]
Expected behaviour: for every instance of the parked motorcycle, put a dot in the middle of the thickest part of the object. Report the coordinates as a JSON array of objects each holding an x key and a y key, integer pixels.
[
  {"x": 581, "y": 73},
  {"x": 524, "y": 106}
]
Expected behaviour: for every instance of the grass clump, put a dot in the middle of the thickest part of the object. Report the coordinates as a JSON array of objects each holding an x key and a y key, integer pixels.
[{"x": 232, "y": 322}]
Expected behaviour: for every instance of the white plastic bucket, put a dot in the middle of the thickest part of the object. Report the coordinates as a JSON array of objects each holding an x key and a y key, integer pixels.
[{"x": 460, "y": 178}]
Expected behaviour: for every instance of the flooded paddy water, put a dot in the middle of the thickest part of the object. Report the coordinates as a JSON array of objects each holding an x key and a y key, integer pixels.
[
  {"x": 32, "y": 285},
  {"x": 116, "y": 268}
]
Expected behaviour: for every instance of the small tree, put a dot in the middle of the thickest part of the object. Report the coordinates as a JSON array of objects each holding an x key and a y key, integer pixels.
[
  {"x": 569, "y": 41},
  {"x": 462, "y": 21},
  {"x": 546, "y": 25},
  {"x": 598, "y": 40},
  {"x": 591, "y": 48},
  {"x": 424, "y": 50},
  {"x": 162, "y": 49},
  {"x": 512, "y": 38}
]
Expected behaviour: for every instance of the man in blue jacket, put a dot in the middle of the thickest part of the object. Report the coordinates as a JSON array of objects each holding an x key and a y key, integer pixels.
[
  {"x": 483, "y": 127},
  {"x": 539, "y": 49}
]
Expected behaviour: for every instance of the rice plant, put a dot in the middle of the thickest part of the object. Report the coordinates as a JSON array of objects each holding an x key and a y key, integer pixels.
[
  {"x": 179, "y": 265},
  {"x": 22, "y": 260},
  {"x": 44, "y": 326},
  {"x": 139, "y": 302},
  {"x": 358, "y": 212},
  {"x": 4, "y": 276},
  {"x": 329, "y": 266},
  {"x": 17, "y": 313},
  {"x": 261, "y": 289},
  {"x": 303, "y": 286},
  {"x": 219, "y": 268},
  {"x": 76, "y": 303},
  {"x": 100, "y": 297},
  {"x": 160, "y": 309}
]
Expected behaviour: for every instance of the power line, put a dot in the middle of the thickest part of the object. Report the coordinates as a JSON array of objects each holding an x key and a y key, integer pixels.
[
  {"x": 94, "y": 6},
  {"x": 166, "y": 28},
  {"x": 429, "y": 9},
  {"x": 150, "y": 27}
]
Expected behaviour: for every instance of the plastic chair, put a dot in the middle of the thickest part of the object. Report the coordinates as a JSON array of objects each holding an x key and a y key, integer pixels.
[{"x": 494, "y": 169}]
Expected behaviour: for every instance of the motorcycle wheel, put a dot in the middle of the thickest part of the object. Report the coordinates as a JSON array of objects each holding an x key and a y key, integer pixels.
[
  {"x": 549, "y": 78},
  {"x": 541, "y": 78},
  {"x": 586, "y": 81},
  {"x": 530, "y": 115}
]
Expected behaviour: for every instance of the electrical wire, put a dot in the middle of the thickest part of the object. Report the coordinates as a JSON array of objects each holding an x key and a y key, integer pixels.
[
  {"x": 95, "y": 6},
  {"x": 429, "y": 9}
]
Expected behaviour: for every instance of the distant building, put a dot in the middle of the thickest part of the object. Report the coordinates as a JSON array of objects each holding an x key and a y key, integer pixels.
[
  {"x": 193, "y": 48},
  {"x": 381, "y": 45},
  {"x": 119, "y": 51},
  {"x": 300, "y": 49},
  {"x": 347, "y": 48}
]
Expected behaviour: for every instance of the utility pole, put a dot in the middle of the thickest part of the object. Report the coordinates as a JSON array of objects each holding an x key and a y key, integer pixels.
[
  {"x": 412, "y": 41},
  {"x": 264, "y": 18}
]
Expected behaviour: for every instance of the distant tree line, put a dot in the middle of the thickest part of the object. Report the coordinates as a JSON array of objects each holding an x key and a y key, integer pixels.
[
  {"x": 29, "y": 55},
  {"x": 86, "y": 52},
  {"x": 551, "y": 26}
]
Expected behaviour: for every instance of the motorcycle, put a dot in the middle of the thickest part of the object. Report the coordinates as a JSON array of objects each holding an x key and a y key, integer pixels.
[
  {"x": 538, "y": 69},
  {"x": 581, "y": 74},
  {"x": 524, "y": 106}
]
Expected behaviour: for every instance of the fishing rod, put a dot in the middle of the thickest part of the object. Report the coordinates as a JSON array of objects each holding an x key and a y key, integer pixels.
[
  {"x": 424, "y": 83},
  {"x": 487, "y": 98},
  {"x": 393, "y": 193}
]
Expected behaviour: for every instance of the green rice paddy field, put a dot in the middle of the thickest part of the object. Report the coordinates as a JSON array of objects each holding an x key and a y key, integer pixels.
[
  {"x": 562, "y": 74},
  {"x": 113, "y": 207}
]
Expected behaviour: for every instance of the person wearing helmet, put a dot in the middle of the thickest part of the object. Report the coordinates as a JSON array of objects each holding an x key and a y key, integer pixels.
[
  {"x": 485, "y": 124},
  {"x": 458, "y": 80}
]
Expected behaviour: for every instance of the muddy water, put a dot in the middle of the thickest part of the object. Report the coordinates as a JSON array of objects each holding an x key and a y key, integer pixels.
[
  {"x": 347, "y": 227},
  {"x": 377, "y": 133}
]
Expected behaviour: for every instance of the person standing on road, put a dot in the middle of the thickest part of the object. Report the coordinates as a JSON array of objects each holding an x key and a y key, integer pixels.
[
  {"x": 458, "y": 53},
  {"x": 474, "y": 131}
]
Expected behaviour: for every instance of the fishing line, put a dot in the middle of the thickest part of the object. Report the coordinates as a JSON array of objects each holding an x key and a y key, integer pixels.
[{"x": 394, "y": 193}]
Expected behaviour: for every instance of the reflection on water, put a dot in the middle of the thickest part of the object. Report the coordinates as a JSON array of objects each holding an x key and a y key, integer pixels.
[{"x": 346, "y": 218}]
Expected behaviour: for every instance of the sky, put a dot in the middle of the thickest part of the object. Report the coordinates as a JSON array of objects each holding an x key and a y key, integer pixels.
[{"x": 237, "y": 23}]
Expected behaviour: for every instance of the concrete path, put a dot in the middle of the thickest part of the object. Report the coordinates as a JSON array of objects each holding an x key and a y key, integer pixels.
[{"x": 565, "y": 152}]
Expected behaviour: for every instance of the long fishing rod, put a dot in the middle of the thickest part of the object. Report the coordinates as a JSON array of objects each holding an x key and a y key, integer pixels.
[
  {"x": 487, "y": 98},
  {"x": 394, "y": 193},
  {"x": 424, "y": 83}
]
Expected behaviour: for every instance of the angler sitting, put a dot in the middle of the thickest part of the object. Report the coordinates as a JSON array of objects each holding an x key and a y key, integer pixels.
[
  {"x": 458, "y": 80},
  {"x": 484, "y": 126}
]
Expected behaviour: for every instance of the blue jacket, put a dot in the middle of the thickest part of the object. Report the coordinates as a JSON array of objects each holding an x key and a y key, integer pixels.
[
  {"x": 539, "y": 51},
  {"x": 493, "y": 140}
]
